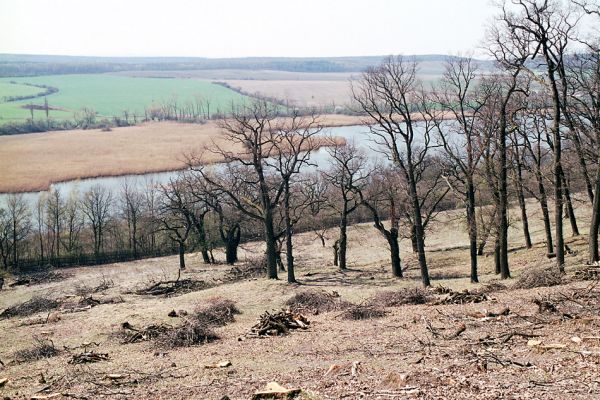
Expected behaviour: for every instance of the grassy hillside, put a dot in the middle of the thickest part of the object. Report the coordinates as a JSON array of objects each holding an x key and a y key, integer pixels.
[{"x": 111, "y": 95}]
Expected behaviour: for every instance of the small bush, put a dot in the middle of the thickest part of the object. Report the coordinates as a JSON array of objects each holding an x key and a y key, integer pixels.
[
  {"x": 400, "y": 297},
  {"x": 316, "y": 302},
  {"x": 33, "y": 306},
  {"x": 360, "y": 312},
  {"x": 42, "y": 349},
  {"x": 538, "y": 277}
]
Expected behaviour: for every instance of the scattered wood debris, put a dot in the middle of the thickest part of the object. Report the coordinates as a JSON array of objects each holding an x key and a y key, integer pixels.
[
  {"x": 88, "y": 357},
  {"x": 274, "y": 390},
  {"x": 279, "y": 323}
]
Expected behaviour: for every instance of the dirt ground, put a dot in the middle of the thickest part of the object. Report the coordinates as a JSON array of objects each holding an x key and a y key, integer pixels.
[{"x": 426, "y": 351}]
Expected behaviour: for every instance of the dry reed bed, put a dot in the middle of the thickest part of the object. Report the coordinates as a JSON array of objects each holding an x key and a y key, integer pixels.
[{"x": 32, "y": 162}]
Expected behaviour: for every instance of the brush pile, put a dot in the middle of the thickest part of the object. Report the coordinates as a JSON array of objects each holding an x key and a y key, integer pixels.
[
  {"x": 588, "y": 274},
  {"x": 279, "y": 323},
  {"x": 316, "y": 302},
  {"x": 172, "y": 288},
  {"x": 88, "y": 357},
  {"x": 401, "y": 297},
  {"x": 35, "y": 305},
  {"x": 463, "y": 297},
  {"x": 539, "y": 277}
]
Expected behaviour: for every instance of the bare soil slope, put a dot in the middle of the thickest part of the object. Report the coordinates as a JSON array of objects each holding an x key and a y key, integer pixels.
[{"x": 506, "y": 346}]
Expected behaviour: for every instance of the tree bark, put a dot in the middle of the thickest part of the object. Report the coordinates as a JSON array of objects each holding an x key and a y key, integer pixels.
[
  {"x": 181, "y": 256},
  {"x": 343, "y": 241},
  {"x": 392, "y": 239}
]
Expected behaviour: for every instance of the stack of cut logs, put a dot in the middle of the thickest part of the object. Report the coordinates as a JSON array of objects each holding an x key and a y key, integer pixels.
[{"x": 278, "y": 323}]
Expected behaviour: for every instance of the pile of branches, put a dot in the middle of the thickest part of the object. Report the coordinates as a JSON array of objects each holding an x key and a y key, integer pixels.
[
  {"x": 35, "y": 305},
  {"x": 400, "y": 297},
  {"x": 363, "y": 311},
  {"x": 39, "y": 278},
  {"x": 196, "y": 328},
  {"x": 42, "y": 349},
  {"x": 131, "y": 334},
  {"x": 252, "y": 270},
  {"x": 172, "y": 288},
  {"x": 316, "y": 302},
  {"x": 88, "y": 357},
  {"x": 279, "y": 323},
  {"x": 569, "y": 305},
  {"x": 84, "y": 290},
  {"x": 539, "y": 277},
  {"x": 463, "y": 297},
  {"x": 588, "y": 274}
]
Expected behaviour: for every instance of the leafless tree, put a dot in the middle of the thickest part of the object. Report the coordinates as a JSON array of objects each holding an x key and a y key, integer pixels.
[
  {"x": 459, "y": 98},
  {"x": 346, "y": 176},
  {"x": 96, "y": 206},
  {"x": 546, "y": 27},
  {"x": 389, "y": 94}
]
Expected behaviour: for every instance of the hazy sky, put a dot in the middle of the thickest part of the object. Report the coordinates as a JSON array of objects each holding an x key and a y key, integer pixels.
[{"x": 239, "y": 28}]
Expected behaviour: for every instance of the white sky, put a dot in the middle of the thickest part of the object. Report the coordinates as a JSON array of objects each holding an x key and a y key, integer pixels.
[{"x": 240, "y": 28}]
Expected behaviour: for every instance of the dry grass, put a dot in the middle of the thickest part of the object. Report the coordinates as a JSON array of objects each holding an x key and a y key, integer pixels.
[{"x": 34, "y": 161}]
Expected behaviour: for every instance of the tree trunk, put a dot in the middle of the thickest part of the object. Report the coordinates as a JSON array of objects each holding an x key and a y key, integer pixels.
[
  {"x": 343, "y": 242},
  {"x": 595, "y": 222},
  {"x": 181, "y": 256},
  {"x": 413, "y": 239},
  {"x": 472, "y": 222},
  {"x": 570, "y": 210},
  {"x": 336, "y": 253},
  {"x": 289, "y": 254},
  {"x": 392, "y": 239},
  {"x": 419, "y": 231},
  {"x": 503, "y": 201},
  {"x": 522, "y": 205},
  {"x": 231, "y": 244},
  {"x": 271, "y": 252}
]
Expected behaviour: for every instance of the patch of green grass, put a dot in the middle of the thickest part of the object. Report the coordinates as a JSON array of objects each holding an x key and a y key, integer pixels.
[
  {"x": 111, "y": 95},
  {"x": 8, "y": 89}
]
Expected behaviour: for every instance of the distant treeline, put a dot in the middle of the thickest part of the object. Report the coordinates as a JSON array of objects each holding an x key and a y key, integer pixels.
[
  {"x": 48, "y": 90},
  {"x": 31, "y": 65}
]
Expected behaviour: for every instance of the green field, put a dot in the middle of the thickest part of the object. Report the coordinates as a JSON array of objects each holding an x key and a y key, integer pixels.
[
  {"x": 110, "y": 95},
  {"x": 8, "y": 89}
]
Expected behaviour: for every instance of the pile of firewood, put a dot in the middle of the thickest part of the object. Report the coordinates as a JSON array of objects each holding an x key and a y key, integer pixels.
[
  {"x": 88, "y": 357},
  {"x": 278, "y": 323},
  {"x": 463, "y": 297}
]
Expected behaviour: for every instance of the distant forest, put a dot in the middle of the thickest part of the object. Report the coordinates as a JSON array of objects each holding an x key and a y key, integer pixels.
[{"x": 32, "y": 65}]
